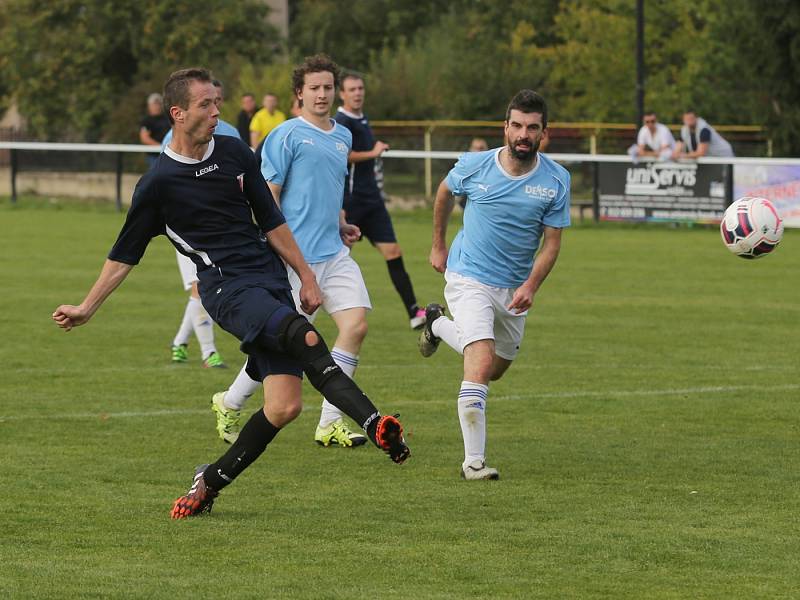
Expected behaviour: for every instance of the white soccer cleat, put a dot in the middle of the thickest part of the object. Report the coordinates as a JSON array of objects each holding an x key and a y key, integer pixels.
[{"x": 477, "y": 470}]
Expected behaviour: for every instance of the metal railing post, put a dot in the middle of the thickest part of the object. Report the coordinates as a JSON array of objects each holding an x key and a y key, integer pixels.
[
  {"x": 428, "y": 171},
  {"x": 596, "y": 191},
  {"x": 729, "y": 184},
  {"x": 13, "y": 152},
  {"x": 119, "y": 181},
  {"x": 593, "y": 143}
]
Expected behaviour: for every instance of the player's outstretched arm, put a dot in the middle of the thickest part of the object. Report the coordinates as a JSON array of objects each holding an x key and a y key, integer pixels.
[
  {"x": 68, "y": 316},
  {"x": 442, "y": 208},
  {"x": 545, "y": 260},
  {"x": 282, "y": 240}
]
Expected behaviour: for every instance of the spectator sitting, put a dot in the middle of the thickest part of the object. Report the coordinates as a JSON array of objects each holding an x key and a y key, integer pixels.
[
  {"x": 265, "y": 120},
  {"x": 245, "y": 116},
  {"x": 155, "y": 125},
  {"x": 698, "y": 139},
  {"x": 654, "y": 139},
  {"x": 223, "y": 127}
]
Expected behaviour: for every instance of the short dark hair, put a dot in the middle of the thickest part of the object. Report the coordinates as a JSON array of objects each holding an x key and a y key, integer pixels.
[
  {"x": 647, "y": 113},
  {"x": 349, "y": 75},
  {"x": 528, "y": 101},
  {"x": 176, "y": 89},
  {"x": 319, "y": 63},
  {"x": 690, "y": 111},
  {"x": 249, "y": 94}
]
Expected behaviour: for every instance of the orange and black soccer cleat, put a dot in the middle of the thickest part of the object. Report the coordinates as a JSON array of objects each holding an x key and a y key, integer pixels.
[
  {"x": 198, "y": 500},
  {"x": 389, "y": 437}
]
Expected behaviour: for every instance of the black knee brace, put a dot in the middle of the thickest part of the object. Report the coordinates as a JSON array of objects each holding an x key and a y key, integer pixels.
[
  {"x": 325, "y": 375},
  {"x": 317, "y": 362}
]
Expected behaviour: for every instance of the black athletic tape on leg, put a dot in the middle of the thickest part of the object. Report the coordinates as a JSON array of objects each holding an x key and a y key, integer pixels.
[{"x": 324, "y": 374}]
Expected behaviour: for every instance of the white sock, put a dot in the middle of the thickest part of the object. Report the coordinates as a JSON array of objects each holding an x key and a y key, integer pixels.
[
  {"x": 472, "y": 415},
  {"x": 241, "y": 389},
  {"x": 203, "y": 327},
  {"x": 185, "y": 330},
  {"x": 445, "y": 329},
  {"x": 347, "y": 362}
]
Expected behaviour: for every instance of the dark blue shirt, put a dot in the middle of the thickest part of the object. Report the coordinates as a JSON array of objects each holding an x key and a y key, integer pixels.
[
  {"x": 206, "y": 209},
  {"x": 360, "y": 185}
]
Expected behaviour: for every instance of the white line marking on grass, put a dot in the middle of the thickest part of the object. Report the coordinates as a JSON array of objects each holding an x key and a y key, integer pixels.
[
  {"x": 713, "y": 389},
  {"x": 104, "y": 416}
]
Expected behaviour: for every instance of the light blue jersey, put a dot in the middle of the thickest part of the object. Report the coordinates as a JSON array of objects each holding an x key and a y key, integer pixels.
[
  {"x": 223, "y": 128},
  {"x": 310, "y": 165},
  {"x": 504, "y": 216}
]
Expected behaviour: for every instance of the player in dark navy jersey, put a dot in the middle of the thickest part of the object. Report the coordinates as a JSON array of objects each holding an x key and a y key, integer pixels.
[
  {"x": 203, "y": 193},
  {"x": 363, "y": 198}
]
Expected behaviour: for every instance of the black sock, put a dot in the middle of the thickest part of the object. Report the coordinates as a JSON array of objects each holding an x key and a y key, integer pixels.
[
  {"x": 402, "y": 283},
  {"x": 252, "y": 441},
  {"x": 344, "y": 394}
]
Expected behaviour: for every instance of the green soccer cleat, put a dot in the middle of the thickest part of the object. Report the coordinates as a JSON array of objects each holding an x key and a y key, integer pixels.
[
  {"x": 227, "y": 419},
  {"x": 180, "y": 354},
  {"x": 338, "y": 434},
  {"x": 214, "y": 361}
]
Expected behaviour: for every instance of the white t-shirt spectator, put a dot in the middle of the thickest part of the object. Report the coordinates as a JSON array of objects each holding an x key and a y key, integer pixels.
[{"x": 655, "y": 141}]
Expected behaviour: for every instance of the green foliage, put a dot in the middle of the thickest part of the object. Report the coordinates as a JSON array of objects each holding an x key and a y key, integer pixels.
[
  {"x": 469, "y": 72},
  {"x": 350, "y": 31},
  {"x": 72, "y": 64},
  {"x": 735, "y": 62}
]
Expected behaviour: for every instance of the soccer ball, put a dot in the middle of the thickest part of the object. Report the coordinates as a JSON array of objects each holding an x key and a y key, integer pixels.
[{"x": 751, "y": 227}]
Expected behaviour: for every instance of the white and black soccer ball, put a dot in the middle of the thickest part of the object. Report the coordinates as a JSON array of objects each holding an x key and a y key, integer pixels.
[{"x": 751, "y": 227}]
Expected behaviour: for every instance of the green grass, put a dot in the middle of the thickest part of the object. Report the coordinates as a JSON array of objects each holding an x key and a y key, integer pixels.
[{"x": 647, "y": 436}]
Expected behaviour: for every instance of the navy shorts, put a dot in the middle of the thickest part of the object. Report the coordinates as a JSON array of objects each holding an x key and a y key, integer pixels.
[
  {"x": 372, "y": 219},
  {"x": 251, "y": 310}
]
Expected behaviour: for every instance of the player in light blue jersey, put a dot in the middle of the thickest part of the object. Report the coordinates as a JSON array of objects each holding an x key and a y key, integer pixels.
[
  {"x": 516, "y": 198},
  {"x": 195, "y": 318},
  {"x": 309, "y": 164},
  {"x": 304, "y": 162}
]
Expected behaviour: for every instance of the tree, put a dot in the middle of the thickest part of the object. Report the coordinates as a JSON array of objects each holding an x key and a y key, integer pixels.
[
  {"x": 466, "y": 65},
  {"x": 349, "y": 32},
  {"x": 73, "y": 63}
]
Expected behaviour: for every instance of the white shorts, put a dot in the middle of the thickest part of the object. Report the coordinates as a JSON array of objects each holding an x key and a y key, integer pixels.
[
  {"x": 188, "y": 270},
  {"x": 341, "y": 283},
  {"x": 480, "y": 313}
]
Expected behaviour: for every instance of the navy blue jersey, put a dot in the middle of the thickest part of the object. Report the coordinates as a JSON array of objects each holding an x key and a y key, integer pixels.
[
  {"x": 206, "y": 209},
  {"x": 361, "y": 185}
]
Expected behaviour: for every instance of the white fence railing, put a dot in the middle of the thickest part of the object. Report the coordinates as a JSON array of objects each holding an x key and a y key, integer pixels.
[{"x": 427, "y": 155}]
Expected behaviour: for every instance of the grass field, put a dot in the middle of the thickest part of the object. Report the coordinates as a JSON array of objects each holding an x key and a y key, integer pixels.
[{"x": 647, "y": 436}]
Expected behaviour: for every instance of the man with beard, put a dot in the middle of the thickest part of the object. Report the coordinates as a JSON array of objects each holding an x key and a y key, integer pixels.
[{"x": 515, "y": 196}]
